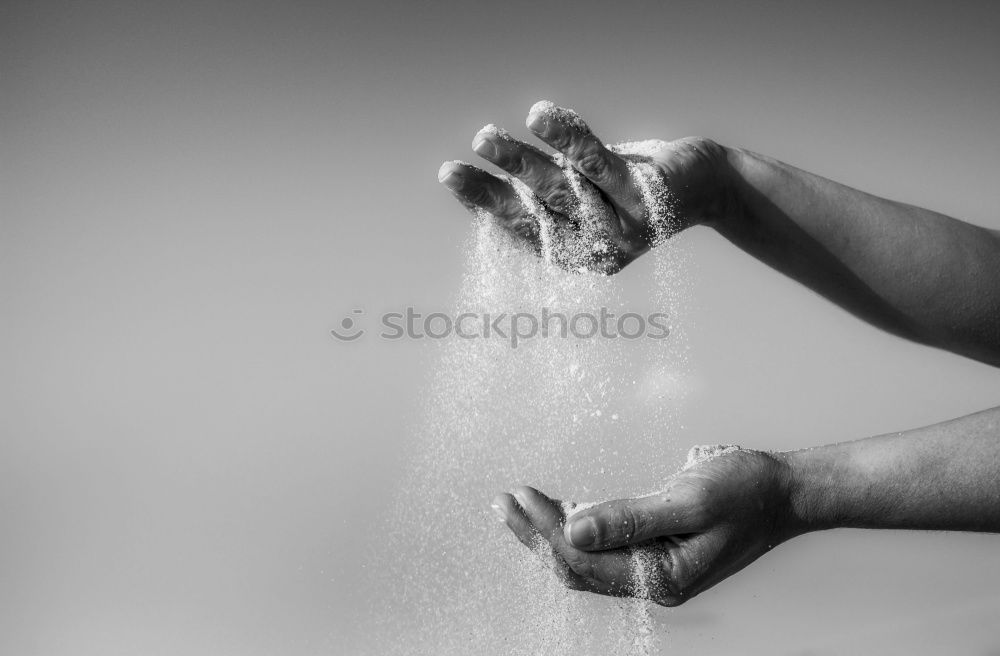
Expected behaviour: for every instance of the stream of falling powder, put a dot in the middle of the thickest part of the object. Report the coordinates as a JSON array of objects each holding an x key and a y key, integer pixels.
[{"x": 588, "y": 419}]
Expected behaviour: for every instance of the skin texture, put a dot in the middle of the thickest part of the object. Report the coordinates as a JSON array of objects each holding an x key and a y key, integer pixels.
[
  {"x": 715, "y": 518},
  {"x": 913, "y": 272},
  {"x": 687, "y": 164},
  {"x": 707, "y": 523}
]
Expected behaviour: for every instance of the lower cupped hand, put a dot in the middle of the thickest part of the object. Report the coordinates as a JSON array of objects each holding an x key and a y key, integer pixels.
[{"x": 716, "y": 516}]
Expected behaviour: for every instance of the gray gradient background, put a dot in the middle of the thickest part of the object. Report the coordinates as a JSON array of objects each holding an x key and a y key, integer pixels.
[{"x": 195, "y": 192}]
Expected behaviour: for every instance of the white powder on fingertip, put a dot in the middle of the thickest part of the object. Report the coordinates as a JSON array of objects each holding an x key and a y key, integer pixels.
[
  {"x": 496, "y": 131},
  {"x": 563, "y": 115}
]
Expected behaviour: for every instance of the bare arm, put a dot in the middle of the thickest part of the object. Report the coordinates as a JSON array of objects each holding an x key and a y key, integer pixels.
[
  {"x": 944, "y": 477},
  {"x": 718, "y": 516},
  {"x": 911, "y": 271}
]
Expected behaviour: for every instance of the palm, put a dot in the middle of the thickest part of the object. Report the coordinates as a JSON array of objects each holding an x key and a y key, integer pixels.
[{"x": 710, "y": 521}]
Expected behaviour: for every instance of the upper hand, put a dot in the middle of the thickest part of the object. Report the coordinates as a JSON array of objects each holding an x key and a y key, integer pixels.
[
  {"x": 689, "y": 176},
  {"x": 710, "y": 521}
]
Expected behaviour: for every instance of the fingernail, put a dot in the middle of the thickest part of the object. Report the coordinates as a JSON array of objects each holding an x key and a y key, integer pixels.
[
  {"x": 485, "y": 148},
  {"x": 448, "y": 176},
  {"x": 537, "y": 123},
  {"x": 500, "y": 513},
  {"x": 582, "y": 532}
]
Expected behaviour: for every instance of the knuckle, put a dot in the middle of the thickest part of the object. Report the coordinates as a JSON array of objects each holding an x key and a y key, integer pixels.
[
  {"x": 693, "y": 144},
  {"x": 700, "y": 143},
  {"x": 560, "y": 139},
  {"x": 624, "y": 527},
  {"x": 519, "y": 166},
  {"x": 594, "y": 165},
  {"x": 693, "y": 150},
  {"x": 505, "y": 208},
  {"x": 479, "y": 195},
  {"x": 524, "y": 228},
  {"x": 582, "y": 567},
  {"x": 630, "y": 522},
  {"x": 531, "y": 171},
  {"x": 557, "y": 195}
]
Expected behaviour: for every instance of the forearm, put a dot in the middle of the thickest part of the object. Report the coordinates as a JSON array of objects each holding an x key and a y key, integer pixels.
[
  {"x": 913, "y": 272},
  {"x": 941, "y": 477}
]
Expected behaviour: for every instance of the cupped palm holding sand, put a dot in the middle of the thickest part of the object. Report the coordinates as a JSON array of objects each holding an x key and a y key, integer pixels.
[
  {"x": 910, "y": 271},
  {"x": 713, "y": 518}
]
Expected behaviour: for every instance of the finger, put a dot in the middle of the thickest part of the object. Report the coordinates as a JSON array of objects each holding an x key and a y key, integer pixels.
[
  {"x": 610, "y": 570},
  {"x": 511, "y": 513},
  {"x": 623, "y": 522},
  {"x": 564, "y": 130},
  {"x": 527, "y": 163},
  {"x": 694, "y": 565},
  {"x": 477, "y": 189}
]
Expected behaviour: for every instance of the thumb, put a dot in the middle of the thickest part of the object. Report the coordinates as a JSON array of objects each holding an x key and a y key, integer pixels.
[{"x": 623, "y": 522}]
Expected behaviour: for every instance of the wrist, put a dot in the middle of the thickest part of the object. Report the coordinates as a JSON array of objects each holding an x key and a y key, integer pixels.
[
  {"x": 702, "y": 179},
  {"x": 811, "y": 487},
  {"x": 725, "y": 204}
]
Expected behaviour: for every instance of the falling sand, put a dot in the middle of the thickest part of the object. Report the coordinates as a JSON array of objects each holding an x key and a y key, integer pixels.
[{"x": 574, "y": 417}]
